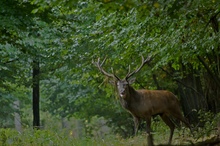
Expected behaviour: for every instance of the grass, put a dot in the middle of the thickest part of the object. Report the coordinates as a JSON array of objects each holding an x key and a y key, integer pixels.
[
  {"x": 29, "y": 137},
  {"x": 10, "y": 137}
]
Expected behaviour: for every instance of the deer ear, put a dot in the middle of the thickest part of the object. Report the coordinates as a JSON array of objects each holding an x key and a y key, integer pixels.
[{"x": 131, "y": 81}]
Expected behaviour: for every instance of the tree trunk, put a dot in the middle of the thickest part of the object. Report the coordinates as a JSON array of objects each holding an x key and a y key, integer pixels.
[
  {"x": 64, "y": 123},
  {"x": 192, "y": 100},
  {"x": 17, "y": 117},
  {"x": 212, "y": 92},
  {"x": 212, "y": 66},
  {"x": 78, "y": 128},
  {"x": 36, "y": 94}
]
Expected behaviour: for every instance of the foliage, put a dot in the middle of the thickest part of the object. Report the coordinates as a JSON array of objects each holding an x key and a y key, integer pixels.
[
  {"x": 209, "y": 122},
  {"x": 182, "y": 38}
]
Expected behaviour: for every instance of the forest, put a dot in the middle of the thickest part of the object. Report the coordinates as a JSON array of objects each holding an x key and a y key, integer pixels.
[{"x": 51, "y": 92}]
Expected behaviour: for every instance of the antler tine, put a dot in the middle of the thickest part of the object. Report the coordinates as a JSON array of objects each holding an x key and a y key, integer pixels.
[
  {"x": 103, "y": 61},
  {"x": 129, "y": 70},
  {"x": 115, "y": 74},
  {"x": 139, "y": 68},
  {"x": 97, "y": 64},
  {"x": 149, "y": 58}
]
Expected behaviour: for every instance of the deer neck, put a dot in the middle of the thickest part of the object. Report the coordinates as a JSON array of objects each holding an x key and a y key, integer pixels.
[{"x": 132, "y": 93}]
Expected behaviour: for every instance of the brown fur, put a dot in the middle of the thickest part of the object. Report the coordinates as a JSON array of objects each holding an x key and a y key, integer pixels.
[{"x": 143, "y": 104}]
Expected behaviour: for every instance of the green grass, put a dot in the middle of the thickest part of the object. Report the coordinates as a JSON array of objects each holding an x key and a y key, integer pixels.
[
  {"x": 29, "y": 137},
  {"x": 10, "y": 137}
]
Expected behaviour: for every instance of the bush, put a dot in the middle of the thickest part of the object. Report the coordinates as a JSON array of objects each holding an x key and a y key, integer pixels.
[{"x": 207, "y": 125}]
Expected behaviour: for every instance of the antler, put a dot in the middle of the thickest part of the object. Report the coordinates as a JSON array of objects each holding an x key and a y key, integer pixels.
[
  {"x": 97, "y": 64},
  {"x": 139, "y": 68}
]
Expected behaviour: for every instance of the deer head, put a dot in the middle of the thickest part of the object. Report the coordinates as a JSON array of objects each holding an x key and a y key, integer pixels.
[{"x": 122, "y": 84}]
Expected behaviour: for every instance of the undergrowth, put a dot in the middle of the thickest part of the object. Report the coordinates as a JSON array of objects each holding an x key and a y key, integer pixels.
[
  {"x": 10, "y": 137},
  {"x": 29, "y": 137},
  {"x": 52, "y": 137}
]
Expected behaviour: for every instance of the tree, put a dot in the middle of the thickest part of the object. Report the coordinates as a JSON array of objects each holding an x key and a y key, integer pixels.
[
  {"x": 64, "y": 36},
  {"x": 172, "y": 32},
  {"x": 24, "y": 38}
]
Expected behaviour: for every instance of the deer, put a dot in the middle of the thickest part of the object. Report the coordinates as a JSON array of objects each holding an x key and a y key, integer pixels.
[{"x": 144, "y": 104}]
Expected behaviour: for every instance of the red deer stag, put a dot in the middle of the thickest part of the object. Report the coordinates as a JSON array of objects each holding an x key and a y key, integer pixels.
[{"x": 143, "y": 104}]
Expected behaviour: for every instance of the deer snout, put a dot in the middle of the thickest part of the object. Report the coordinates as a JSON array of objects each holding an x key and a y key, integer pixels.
[{"x": 122, "y": 93}]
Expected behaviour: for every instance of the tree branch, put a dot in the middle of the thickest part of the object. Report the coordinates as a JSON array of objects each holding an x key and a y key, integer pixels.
[
  {"x": 178, "y": 81},
  {"x": 10, "y": 61}
]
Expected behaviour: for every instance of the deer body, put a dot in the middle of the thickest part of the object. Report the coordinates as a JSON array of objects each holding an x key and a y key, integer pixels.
[{"x": 143, "y": 104}]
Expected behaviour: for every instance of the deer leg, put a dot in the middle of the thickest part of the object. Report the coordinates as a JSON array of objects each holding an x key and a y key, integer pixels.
[
  {"x": 177, "y": 114},
  {"x": 136, "y": 124},
  {"x": 148, "y": 130},
  {"x": 169, "y": 123}
]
